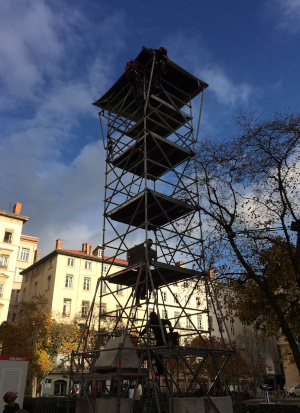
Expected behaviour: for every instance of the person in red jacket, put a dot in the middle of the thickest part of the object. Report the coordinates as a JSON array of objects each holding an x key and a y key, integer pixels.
[{"x": 134, "y": 71}]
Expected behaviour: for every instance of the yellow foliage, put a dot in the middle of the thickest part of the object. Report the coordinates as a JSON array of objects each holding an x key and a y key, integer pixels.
[{"x": 37, "y": 336}]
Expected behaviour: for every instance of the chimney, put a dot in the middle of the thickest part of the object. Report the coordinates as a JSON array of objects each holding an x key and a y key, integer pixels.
[
  {"x": 84, "y": 247},
  {"x": 58, "y": 244},
  {"x": 17, "y": 208},
  {"x": 87, "y": 248},
  {"x": 180, "y": 264},
  {"x": 37, "y": 255},
  {"x": 91, "y": 250},
  {"x": 212, "y": 273}
]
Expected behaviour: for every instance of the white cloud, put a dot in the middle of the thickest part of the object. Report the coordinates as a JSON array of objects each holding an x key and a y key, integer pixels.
[
  {"x": 201, "y": 63},
  {"x": 286, "y": 13},
  {"x": 226, "y": 91},
  {"x": 64, "y": 201},
  {"x": 52, "y": 158},
  {"x": 29, "y": 45}
]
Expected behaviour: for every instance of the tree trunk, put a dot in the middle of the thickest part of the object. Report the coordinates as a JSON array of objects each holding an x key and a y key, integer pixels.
[{"x": 287, "y": 332}]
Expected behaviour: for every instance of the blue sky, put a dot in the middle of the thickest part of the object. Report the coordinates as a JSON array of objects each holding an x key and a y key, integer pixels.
[{"x": 58, "y": 56}]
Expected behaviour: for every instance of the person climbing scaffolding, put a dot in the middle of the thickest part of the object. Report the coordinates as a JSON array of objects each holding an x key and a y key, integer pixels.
[
  {"x": 159, "y": 67},
  {"x": 135, "y": 71},
  {"x": 158, "y": 326}
]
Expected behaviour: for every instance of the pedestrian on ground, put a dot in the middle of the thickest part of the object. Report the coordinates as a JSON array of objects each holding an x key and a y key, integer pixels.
[{"x": 10, "y": 407}]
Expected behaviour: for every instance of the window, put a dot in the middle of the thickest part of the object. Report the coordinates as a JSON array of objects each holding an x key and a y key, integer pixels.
[
  {"x": 118, "y": 311},
  {"x": 86, "y": 284},
  {"x": 220, "y": 323},
  {"x": 164, "y": 295},
  {"x": 17, "y": 296},
  {"x": 67, "y": 307},
  {"x": 49, "y": 282},
  {"x": 1, "y": 289},
  {"x": 24, "y": 254},
  {"x": 18, "y": 277},
  {"x": 85, "y": 306},
  {"x": 198, "y": 301},
  {"x": 103, "y": 287},
  {"x": 232, "y": 327},
  {"x": 177, "y": 319},
  {"x": 175, "y": 298},
  {"x": 189, "y": 322},
  {"x": 103, "y": 308},
  {"x": 50, "y": 263},
  {"x": 70, "y": 262},
  {"x": 230, "y": 312},
  {"x": 35, "y": 288},
  {"x": 186, "y": 284},
  {"x": 210, "y": 323},
  {"x": 199, "y": 322},
  {"x": 87, "y": 265},
  {"x": 69, "y": 281},
  {"x": 164, "y": 314},
  {"x": 8, "y": 236},
  {"x": 3, "y": 261},
  {"x": 47, "y": 384},
  {"x": 100, "y": 252},
  {"x": 119, "y": 289},
  {"x": 105, "y": 268}
]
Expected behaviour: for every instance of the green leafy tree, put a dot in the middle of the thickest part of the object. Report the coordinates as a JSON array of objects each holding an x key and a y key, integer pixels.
[{"x": 248, "y": 187}]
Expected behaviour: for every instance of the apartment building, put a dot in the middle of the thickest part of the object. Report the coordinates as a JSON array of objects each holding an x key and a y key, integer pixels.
[
  {"x": 17, "y": 251},
  {"x": 68, "y": 278}
]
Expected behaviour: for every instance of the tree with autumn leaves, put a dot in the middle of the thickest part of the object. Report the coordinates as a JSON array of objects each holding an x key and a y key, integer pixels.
[
  {"x": 249, "y": 202},
  {"x": 37, "y": 336}
]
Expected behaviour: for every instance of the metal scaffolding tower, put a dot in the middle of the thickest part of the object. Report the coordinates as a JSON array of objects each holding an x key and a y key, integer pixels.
[{"x": 152, "y": 220}]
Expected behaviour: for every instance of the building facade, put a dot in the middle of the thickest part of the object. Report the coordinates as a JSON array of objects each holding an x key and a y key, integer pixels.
[
  {"x": 17, "y": 252},
  {"x": 68, "y": 279}
]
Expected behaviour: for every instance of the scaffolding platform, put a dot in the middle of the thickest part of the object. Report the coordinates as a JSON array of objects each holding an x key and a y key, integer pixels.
[
  {"x": 162, "y": 209},
  {"x": 171, "y": 274},
  {"x": 177, "y": 82},
  {"x": 157, "y": 123},
  {"x": 162, "y": 155}
]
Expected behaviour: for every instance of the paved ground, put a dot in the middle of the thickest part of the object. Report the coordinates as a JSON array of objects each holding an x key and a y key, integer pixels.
[{"x": 286, "y": 401}]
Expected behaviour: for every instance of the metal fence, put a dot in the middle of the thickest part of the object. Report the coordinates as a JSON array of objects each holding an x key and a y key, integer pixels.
[{"x": 49, "y": 405}]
